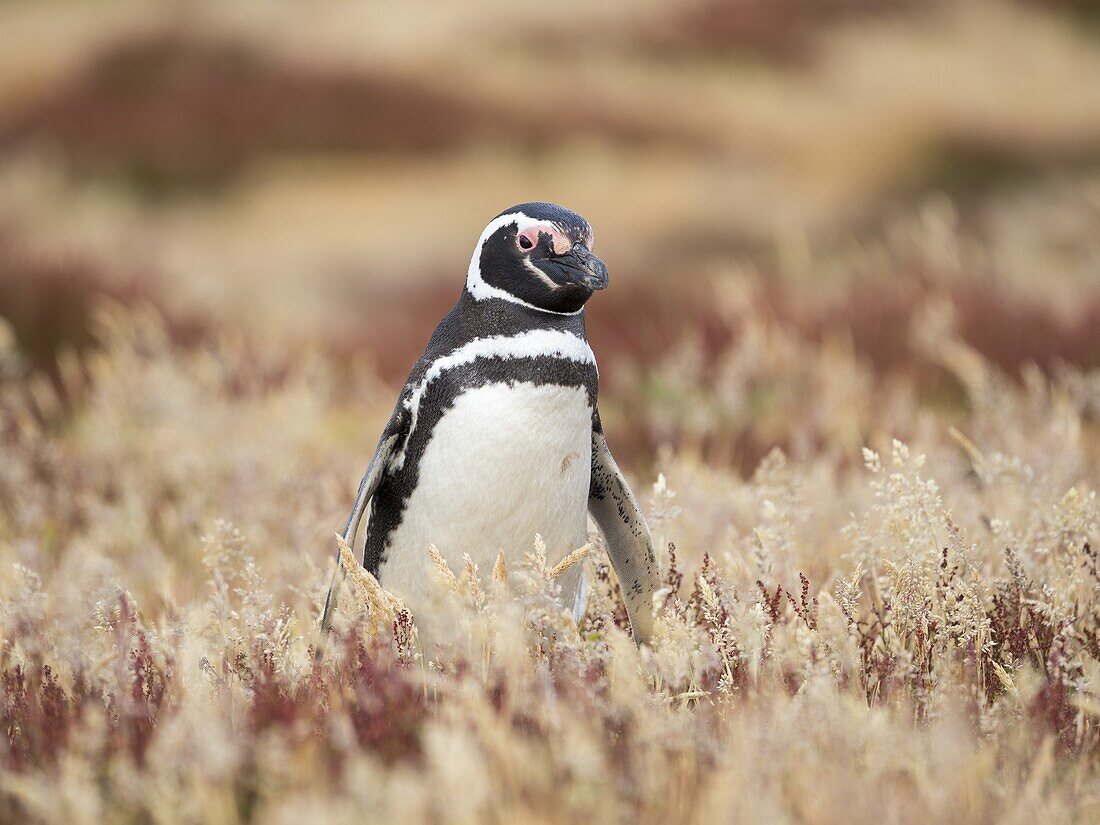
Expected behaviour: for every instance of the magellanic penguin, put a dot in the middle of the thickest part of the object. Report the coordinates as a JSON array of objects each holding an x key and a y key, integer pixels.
[{"x": 496, "y": 436}]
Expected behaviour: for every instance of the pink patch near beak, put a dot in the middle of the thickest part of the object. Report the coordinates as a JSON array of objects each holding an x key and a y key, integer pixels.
[{"x": 559, "y": 239}]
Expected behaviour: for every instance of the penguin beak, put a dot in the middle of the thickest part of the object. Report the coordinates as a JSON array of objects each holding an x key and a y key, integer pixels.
[{"x": 581, "y": 267}]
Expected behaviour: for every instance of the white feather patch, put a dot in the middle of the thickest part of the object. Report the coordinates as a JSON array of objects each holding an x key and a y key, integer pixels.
[
  {"x": 507, "y": 461},
  {"x": 530, "y": 344}
]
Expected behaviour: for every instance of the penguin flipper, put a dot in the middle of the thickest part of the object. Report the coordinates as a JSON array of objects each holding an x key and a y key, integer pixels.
[
  {"x": 387, "y": 446},
  {"x": 625, "y": 533}
]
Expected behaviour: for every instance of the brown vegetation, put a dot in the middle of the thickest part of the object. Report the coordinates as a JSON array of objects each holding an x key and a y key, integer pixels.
[{"x": 849, "y": 358}]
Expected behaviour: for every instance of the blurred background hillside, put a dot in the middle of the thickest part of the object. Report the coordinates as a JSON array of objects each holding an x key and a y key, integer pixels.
[
  {"x": 849, "y": 361},
  {"x": 311, "y": 177}
]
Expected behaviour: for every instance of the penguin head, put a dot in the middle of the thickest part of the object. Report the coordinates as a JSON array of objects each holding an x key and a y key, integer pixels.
[{"x": 538, "y": 255}]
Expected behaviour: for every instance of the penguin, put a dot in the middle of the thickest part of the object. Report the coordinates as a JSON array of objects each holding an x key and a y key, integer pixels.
[{"x": 496, "y": 435}]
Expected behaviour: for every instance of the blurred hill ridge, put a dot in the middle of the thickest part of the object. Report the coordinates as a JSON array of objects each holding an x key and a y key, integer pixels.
[{"x": 316, "y": 175}]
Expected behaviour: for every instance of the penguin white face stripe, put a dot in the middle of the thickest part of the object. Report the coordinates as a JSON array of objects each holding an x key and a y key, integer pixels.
[
  {"x": 477, "y": 286},
  {"x": 542, "y": 276},
  {"x": 534, "y": 343}
]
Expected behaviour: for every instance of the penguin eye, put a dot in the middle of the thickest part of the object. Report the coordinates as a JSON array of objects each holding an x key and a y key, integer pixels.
[{"x": 530, "y": 237}]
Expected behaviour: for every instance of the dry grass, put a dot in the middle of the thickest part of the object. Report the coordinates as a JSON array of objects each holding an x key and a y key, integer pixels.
[
  {"x": 849, "y": 357},
  {"x": 863, "y": 628}
]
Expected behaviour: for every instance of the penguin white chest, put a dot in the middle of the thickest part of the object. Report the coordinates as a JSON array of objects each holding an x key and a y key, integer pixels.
[{"x": 505, "y": 462}]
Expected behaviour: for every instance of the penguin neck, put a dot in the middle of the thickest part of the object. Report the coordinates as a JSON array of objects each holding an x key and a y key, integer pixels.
[{"x": 496, "y": 316}]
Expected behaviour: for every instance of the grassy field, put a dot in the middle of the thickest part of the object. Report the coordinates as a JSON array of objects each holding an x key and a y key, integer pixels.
[{"x": 850, "y": 360}]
